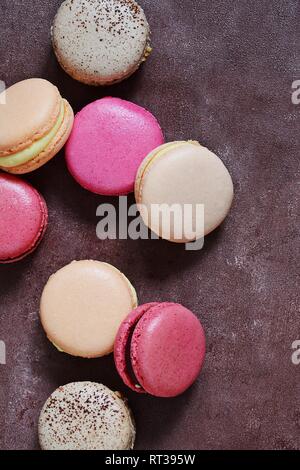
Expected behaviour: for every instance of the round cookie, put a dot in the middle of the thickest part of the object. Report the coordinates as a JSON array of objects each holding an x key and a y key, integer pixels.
[
  {"x": 187, "y": 176},
  {"x": 160, "y": 349},
  {"x": 110, "y": 139},
  {"x": 23, "y": 218},
  {"x": 35, "y": 123},
  {"x": 100, "y": 42},
  {"x": 86, "y": 416},
  {"x": 83, "y": 305}
]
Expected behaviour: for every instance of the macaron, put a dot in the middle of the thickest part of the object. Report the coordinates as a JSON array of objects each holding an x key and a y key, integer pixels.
[
  {"x": 187, "y": 177},
  {"x": 101, "y": 42},
  {"x": 86, "y": 416},
  {"x": 160, "y": 349},
  {"x": 23, "y": 218},
  {"x": 35, "y": 123},
  {"x": 83, "y": 305},
  {"x": 110, "y": 139}
]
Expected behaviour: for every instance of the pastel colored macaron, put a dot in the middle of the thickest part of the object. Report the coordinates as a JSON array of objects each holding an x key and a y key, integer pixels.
[
  {"x": 35, "y": 123},
  {"x": 86, "y": 416},
  {"x": 160, "y": 349},
  {"x": 110, "y": 139},
  {"x": 186, "y": 177},
  {"x": 83, "y": 305},
  {"x": 23, "y": 218},
  {"x": 101, "y": 42}
]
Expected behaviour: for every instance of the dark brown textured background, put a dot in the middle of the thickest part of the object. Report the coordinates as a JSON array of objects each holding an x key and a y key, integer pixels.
[{"x": 221, "y": 72}]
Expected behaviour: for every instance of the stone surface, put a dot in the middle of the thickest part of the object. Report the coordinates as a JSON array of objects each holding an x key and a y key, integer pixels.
[{"x": 221, "y": 72}]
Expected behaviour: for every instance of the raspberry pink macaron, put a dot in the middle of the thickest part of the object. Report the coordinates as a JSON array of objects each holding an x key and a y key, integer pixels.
[
  {"x": 110, "y": 139},
  {"x": 160, "y": 349},
  {"x": 23, "y": 218}
]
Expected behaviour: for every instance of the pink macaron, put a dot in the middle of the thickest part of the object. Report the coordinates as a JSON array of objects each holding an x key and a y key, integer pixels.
[
  {"x": 160, "y": 349},
  {"x": 110, "y": 139},
  {"x": 23, "y": 218}
]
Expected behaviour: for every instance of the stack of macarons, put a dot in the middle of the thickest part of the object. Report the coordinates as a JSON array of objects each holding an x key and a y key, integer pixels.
[{"x": 113, "y": 147}]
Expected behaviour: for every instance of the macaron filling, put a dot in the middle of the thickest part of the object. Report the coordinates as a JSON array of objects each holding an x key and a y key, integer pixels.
[{"x": 36, "y": 148}]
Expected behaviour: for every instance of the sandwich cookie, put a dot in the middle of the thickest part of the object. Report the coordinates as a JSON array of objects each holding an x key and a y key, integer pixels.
[
  {"x": 110, "y": 139},
  {"x": 83, "y": 305},
  {"x": 101, "y": 42},
  {"x": 23, "y": 218},
  {"x": 35, "y": 123},
  {"x": 160, "y": 349},
  {"x": 190, "y": 180},
  {"x": 86, "y": 416}
]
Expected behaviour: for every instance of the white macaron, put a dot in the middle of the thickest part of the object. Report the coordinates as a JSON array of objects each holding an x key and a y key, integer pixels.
[
  {"x": 86, "y": 416},
  {"x": 101, "y": 42},
  {"x": 183, "y": 191}
]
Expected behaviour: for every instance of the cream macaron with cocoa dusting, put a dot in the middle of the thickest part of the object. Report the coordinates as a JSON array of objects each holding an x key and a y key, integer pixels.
[
  {"x": 35, "y": 123},
  {"x": 86, "y": 416},
  {"x": 83, "y": 305},
  {"x": 190, "y": 180},
  {"x": 100, "y": 42}
]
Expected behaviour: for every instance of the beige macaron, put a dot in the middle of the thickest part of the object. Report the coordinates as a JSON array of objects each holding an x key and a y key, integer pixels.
[
  {"x": 100, "y": 42},
  {"x": 183, "y": 191},
  {"x": 83, "y": 305},
  {"x": 35, "y": 123},
  {"x": 86, "y": 416}
]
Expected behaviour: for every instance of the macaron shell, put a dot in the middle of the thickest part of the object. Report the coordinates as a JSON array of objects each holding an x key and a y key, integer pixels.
[
  {"x": 167, "y": 350},
  {"x": 145, "y": 163},
  {"x": 40, "y": 238},
  {"x": 86, "y": 416},
  {"x": 52, "y": 149},
  {"x": 110, "y": 139},
  {"x": 122, "y": 346},
  {"x": 31, "y": 110},
  {"x": 23, "y": 218},
  {"x": 100, "y": 42},
  {"x": 83, "y": 305},
  {"x": 190, "y": 174}
]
